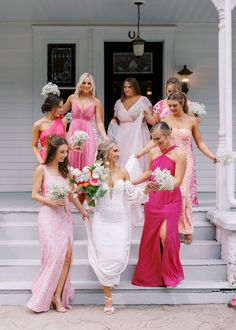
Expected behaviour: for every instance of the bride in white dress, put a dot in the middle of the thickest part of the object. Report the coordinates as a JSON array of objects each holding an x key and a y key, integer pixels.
[{"x": 109, "y": 233}]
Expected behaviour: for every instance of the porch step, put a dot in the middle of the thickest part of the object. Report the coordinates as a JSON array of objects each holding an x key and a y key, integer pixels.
[
  {"x": 90, "y": 292},
  {"x": 24, "y": 249},
  {"x": 194, "y": 269}
]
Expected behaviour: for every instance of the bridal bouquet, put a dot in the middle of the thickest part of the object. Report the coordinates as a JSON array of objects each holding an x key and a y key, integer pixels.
[
  {"x": 163, "y": 179},
  {"x": 50, "y": 89},
  {"x": 79, "y": 138},
  {"x": 59, "y": 191},
  {"x": 197, "y": 109},
  {"x": 91, "y": 181},
  {"x": 225, "y": 157}
]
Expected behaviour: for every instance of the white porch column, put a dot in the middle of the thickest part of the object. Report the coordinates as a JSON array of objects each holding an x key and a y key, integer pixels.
[{"x": 224, "y": 8}]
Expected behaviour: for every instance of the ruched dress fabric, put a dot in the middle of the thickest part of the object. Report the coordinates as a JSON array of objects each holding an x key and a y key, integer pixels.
[
  {"x": 57, "y": 127},
  {"x": 163, "y": 112},
  {"x": 82, "y": 120},
  {"x": 157, "y": 265},
  {"x": 132, "y": 133},
  {"x": 55, "y": 233},
  {"x": 183, "y": 137}
]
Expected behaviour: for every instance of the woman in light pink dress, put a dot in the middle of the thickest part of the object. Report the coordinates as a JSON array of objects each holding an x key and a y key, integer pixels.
[
  {"x": 159, "y": 261},
  {"x": 52, "y": 286},
  {"x": 51, "y": 123},
  {"x": 85, "y": 107},
  {"x": 184, "y": 128},
  {"x": 132, "y": 112}
]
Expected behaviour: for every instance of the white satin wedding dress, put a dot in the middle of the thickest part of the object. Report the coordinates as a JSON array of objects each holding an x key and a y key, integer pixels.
[{"x": 109, "y": 232}]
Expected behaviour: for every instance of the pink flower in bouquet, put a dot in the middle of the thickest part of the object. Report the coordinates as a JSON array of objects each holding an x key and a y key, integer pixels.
[{"x": 95, "y": 181}]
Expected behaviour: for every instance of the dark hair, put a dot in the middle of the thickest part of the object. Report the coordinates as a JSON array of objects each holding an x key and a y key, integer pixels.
[
  {"x": 134, "y": 84},
  {"x": 163, "y": 127},
  {"x": 53, "y": 143},
  {"x": 174, "y": 82},
  {"x": 181, "y": 98},
  {"x": 51, "y": 102}
]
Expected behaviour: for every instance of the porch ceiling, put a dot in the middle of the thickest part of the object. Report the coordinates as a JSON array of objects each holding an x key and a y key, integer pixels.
[{"x": 108, "y": 12}]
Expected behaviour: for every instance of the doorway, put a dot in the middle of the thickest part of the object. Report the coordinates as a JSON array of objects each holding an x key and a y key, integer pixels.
[{"x": 120, "y": 63}]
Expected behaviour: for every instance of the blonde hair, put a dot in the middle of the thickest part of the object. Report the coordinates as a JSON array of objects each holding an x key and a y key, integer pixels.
[
  {"x": 103, "y": 150},
  {"x": 80, "y": 82},
  {"x": 163, "y": 127},
  {"x": 181, "y": 98}
]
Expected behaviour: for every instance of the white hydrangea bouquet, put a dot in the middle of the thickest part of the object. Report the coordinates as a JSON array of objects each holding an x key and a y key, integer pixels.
[
  {"x": 68, "y": 117},
  {"x": 59, "y": 191},
  {"x": 163, "y": 179},
  {"x": 50, "y": 89},
  {"x": 91, "y": 181},
  {"x": 225, "y": 157},
  {"x": 79, "y": 138},
  {"x": 197, "y": 109}
]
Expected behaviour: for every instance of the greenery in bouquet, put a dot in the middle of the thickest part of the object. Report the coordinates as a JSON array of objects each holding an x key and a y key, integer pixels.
[
  {"x": 79, "y": 138},
  {"x": 197, "y": 109},
  {"x": 91, "y": 181}
]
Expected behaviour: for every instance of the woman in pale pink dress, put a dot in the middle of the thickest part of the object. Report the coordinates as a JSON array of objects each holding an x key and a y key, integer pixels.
[
  {"x": 84, "y": 108},
  {"x": 132, "y": 112},
  {"x": 51, "y": 123},
  {"x": 184, "y": 128},
  {"x": 52, "y": 286}
]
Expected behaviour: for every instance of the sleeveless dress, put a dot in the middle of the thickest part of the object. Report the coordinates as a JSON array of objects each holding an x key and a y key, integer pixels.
[
  {"x": 132, "y": 133},
  {"x": 157, "y": 265},
  {"x": 55, "y": 231},
  {"x": 183, "y": 137},
  {"x": 82, "y": 119},
  {"x": 163, "y": 112},
  {"x": 57, "y": 127}
]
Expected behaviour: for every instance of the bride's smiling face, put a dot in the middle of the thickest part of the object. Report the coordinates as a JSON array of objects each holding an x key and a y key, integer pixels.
[{"x": 114, "y": 154}]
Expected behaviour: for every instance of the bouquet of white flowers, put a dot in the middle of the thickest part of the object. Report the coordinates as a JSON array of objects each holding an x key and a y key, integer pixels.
[
  {"x": 163, "y": 179},
  {"x": 50, "y": 89},
  {"x": 68, "y": 117},
  {"x": 59, "y": 191},
  {"x": 197, "y": 109},
  {"x": 225, "y": 157},
  {"x": 79, "y": 138}
]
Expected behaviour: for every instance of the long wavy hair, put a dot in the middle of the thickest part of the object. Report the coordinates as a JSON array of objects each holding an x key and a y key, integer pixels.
[
  {"x": 80, "y": 82},
  {"x": 53, "y": 143}
]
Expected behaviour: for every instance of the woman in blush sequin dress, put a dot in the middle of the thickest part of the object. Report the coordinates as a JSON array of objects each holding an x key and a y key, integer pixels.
[
  {"x": 51, "y": 123},
  {"x": 52, "y": 286},
  {"x": 85, "y": 107},
  {"x": 184, "y": 128},
  {"x": 159, "y": 261}
]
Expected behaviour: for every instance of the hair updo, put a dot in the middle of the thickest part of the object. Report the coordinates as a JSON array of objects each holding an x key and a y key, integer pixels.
[
  {"x": 53, "y": 143},
  {"x": 163, "y": 127},
  {"x": 181, "y": 98},
  {"x": 103, "y": 150},
  {"x": 51, "y": 102}
]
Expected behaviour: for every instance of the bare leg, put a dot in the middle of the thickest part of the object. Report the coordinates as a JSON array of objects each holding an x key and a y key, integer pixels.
[
  {"x": 58, "y": 293},
  {"x": 109, "y": 308},
  {"x": 163, "y": 233}
]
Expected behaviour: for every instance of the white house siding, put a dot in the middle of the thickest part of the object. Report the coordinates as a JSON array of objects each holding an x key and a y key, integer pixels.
[{"x": 194, "y": 45}]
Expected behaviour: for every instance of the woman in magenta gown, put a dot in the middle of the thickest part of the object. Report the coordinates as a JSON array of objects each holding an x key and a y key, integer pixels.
[
  {"x": 84, "y": 108},
  {"x": 52, "y": 286},
  {"x": 159, "y": 261},
  {"x": 51, "y": 123}
]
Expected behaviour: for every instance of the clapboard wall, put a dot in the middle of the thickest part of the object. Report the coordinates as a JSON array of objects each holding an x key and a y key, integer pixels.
[{"x": 194, "y": 45}]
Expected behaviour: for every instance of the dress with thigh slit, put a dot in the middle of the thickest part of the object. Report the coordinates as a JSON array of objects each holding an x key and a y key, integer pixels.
[
  {"x": 157, "y": 265},
  {"x": 55, "y": 234}
]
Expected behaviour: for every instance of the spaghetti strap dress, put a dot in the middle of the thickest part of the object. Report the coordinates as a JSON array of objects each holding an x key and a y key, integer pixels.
[{"x": 157, "y": 265}]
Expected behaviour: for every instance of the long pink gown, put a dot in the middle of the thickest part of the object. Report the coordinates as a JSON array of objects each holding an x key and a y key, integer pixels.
[
  {"x": 55, "y": 232},
  {"x": 183, "y": 137},
  {"x": 57, "y": 127},
  {"x": 157, "y": 265},
  {"x": 132, "y": 133},
  {"x": 82, "y": 119},
  {"x": 163, "y": 112}
]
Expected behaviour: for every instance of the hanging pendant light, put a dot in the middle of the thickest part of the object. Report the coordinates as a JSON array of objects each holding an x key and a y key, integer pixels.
[{"x": 137, "y": 41}]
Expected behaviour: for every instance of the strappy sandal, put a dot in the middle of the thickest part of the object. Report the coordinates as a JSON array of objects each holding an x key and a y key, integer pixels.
[
  {"x": 109, "y": 310},
  {"x": 188, "y": 238}
]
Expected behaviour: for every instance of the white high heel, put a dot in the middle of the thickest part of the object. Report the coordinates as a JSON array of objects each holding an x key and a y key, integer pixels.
[{"x": 109, "y": 310}]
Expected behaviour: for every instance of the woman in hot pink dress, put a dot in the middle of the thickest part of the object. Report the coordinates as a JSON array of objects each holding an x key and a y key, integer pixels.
[
  {"x": 184, "y": 128},
  {"x": 51, "y": 123},
  {"x": 132, "y": 112},
  {"x": 159, "y": 261},
  {"x": 52, "y": 286},
  {"x": 84, "y": 107}
]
